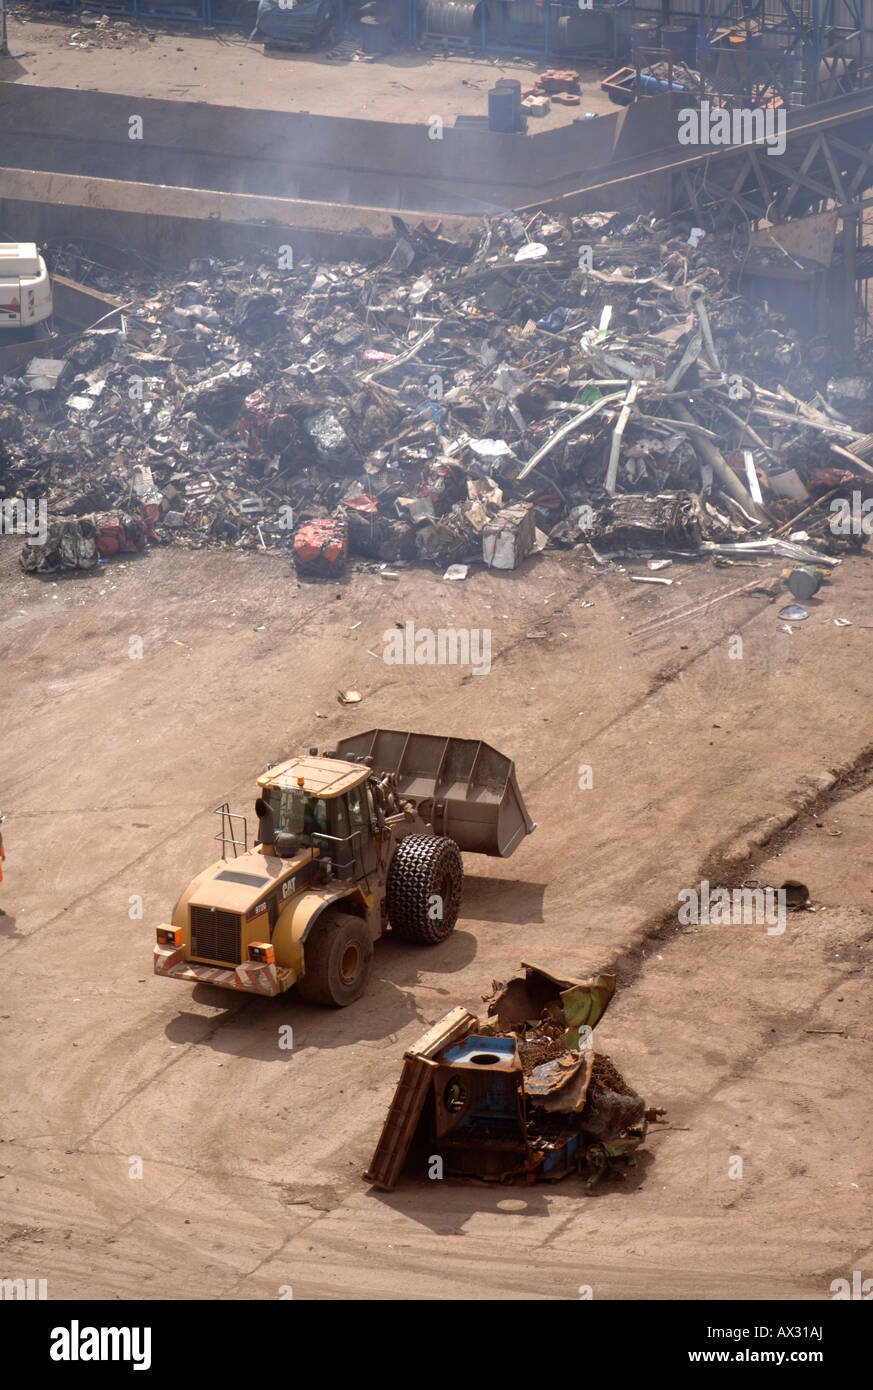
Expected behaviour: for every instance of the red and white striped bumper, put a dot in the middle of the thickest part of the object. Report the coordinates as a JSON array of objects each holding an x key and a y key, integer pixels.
[{"x": 252, "y": 976}]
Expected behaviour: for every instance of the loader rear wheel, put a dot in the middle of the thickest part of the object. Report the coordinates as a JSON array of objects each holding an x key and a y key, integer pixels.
[
  {"x": 337, "y": 956},
  {"x": 424, "y": 888}
]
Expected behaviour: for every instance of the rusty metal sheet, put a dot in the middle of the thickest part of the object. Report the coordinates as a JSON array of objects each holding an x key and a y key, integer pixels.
[
  {"x": 453, "y": 1027},
  {"x": 14, "y": 357},
  {"x": 570, "y": 1001},
  {"x": 809, "y": 237},
  {"x": 401, "y": 1123},
  {"x": 80, "y": 304},
  {"x": 561, "y": 1084}
]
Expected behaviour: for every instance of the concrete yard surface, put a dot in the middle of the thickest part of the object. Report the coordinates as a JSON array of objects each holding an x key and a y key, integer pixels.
[
  {"x": 703, "y": 765},
  {"x": 223, "y": 68}
]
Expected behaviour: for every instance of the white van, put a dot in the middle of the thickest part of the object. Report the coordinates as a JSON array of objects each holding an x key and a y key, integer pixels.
[{"x": 25, "y": 289}]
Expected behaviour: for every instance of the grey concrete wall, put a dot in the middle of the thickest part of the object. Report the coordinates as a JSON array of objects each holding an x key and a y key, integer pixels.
[
  {"x": 647, "y": 125},
  {"x": 174, "y": 240},
  {"x": 173, "y": 224},
  {"x": 293, "y": 154}
]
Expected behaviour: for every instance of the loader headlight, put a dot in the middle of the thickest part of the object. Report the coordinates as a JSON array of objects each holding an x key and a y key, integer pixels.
[
  {"x": 262, "y": 952},
  {"x": 169, "y": 936}
]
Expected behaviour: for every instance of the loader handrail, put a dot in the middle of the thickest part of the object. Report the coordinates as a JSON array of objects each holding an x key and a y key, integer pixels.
[{"x": 226, "y": 835}]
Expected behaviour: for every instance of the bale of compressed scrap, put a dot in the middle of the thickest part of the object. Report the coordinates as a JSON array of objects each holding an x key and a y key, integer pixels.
[
  {"x": 634, "y": 521},
  {"x": 508, "y": 537},
  {"x": 78, "y": 543},
  {"x": 374, "y": 536},
  {"x": 321, "y": 547}
]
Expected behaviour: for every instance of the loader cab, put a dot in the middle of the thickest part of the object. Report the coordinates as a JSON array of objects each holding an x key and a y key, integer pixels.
[
  {"x": 325, "y": 803},
  {"x": 362, "y": 828},
  {"x": 299, "y": 812}
]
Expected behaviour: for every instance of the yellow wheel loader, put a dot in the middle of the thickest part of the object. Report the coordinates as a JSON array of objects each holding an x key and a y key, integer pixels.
[{"x": 350, "y": 842}]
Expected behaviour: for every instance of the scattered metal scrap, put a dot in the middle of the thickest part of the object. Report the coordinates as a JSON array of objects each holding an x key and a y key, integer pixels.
[
  {"x": 573, "y": 382},
  {"x": 519, "y": 1096}
]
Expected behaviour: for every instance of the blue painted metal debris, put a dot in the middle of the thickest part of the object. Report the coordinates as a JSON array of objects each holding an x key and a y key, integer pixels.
[{"x": 517, "y": 1097}]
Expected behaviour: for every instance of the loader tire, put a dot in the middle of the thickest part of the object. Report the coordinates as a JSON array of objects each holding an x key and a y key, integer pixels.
[
  {"x": 424, "y": 888},
  {"x": 337, "y": 956}
]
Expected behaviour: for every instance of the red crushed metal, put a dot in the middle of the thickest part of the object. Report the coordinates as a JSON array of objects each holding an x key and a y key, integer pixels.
[
  {"x": 362, "y": 503},
  {"x": 321, "y": 546}
]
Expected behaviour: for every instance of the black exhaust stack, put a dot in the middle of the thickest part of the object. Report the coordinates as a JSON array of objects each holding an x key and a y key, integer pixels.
[{"x": 266, "y": 825}]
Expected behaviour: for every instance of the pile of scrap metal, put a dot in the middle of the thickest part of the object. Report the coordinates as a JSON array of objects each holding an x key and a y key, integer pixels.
[
  {"x": 597, "y": 382},
  {"x": 519, "y": 1096}
]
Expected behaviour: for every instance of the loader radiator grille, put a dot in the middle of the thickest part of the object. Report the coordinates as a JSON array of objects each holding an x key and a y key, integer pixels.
[{"x": 215, "y": 935}]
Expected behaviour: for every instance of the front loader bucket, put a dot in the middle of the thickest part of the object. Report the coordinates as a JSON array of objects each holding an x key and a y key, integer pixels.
[{"x": 464, "y": 789}]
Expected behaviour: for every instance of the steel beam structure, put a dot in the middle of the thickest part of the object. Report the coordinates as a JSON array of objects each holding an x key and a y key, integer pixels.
[
  {"x": 794, "y": 48},
  {"x": 827, "y": 163}
]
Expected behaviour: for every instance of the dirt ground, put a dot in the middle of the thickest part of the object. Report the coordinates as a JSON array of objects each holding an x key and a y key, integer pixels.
[
  {"x": 705, "y": 765},
  {"x": 223, "y": 68}
]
